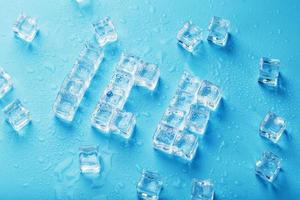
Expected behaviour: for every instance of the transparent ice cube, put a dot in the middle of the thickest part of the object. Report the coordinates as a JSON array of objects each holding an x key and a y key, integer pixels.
[
  {"x": 268, "y": 166},
  {"x": 92, "y": 54},
  {"x": 17, "y": 115},
  {"x": 189, "y": 83},
  {"x": 269, "y": 71},
  {"x": 101, "y": 117},
  {"x": 218, "y": 31},
  {"x": 6, "y": 83},
  {"x": 65, "y": 106},
  {"x": 25, "y": 28},
  {"x": 197, "y": 119},
  {"x": 105, "y": 31},
  {"x": 164, "y": 137},
  {"x": 174, "y": 118},
  {"x": 114, "y": 96},
  {"x": 209, "y": 94},
  {"x": 183, "y": 100},
  {"x": 185, "y": 146},
  {"x": 129, "y": 63},
  {"x": 272, "y": 127},
  {"x": 123, "y": 123},
  {"x": 123, "y": 80},
  {"x": 89, "y": 163},
  {"x": 147, "y": 75},
  {"x": 83, "y": 71},
  {"x": 189, "y": 36},
  {"x": 149, "y": 186},
  {"x": 202, "y": 190}
]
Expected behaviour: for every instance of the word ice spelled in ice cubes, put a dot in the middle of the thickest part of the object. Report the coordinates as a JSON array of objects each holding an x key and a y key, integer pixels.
[
  {"x": 149, "y": 186},
  {"x": 218, "y": 31},
  {"x": 268, "y": 166},
  {"x": 202, "y": 190},
  {"x": 77, "y": 81},
  {"x": 105, "y": 31},
  {"x": 6, "y": 83},
  {"x": 25, "y": 28},
  {"x": 269, "y": 71},
  {"x": 189, "y": 36},
  {"x": 89, "y": 162},
  {"x": 17, "y": 115},
  {"x": 272, "y": 127}
]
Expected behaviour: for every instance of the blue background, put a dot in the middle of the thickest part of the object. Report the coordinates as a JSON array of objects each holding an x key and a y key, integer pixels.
[{"x": 43, "y": 163}]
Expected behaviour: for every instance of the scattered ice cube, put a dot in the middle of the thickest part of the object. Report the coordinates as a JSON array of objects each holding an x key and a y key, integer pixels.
[
  {"x": 105, "y": 31},
  {"x": 202, "y": 190},
  {"x": 25, "y": 28},
  {"x": 197, "y": 119},
  {"x": 164, "y": 137},
  {"x": 209, "y": 94},
  {"x": 272, "y": 127},
  {"x": 189, "y": 83},
  {"x": 189, "y": 36},
  {"x": 17, "y": 115},
  {"x": 129, "y": 63},
  {"x": 89, "y": 162},
  {"x": 123, "y": 124},
  {"x": 6, "y": 83},
  {"x": 218, "y": 31},
  {"x": 269, "y": 71},
  {"x": 183, "y": 100},
  {"x": 102, "y": 116},
  {"x": 149, "y": 186},
  {"x": 185, "y": 146},
  {"x": 147, "y": 75},
  {"x": 174, "y": 118},
  {"x": 268, "y": 166}
]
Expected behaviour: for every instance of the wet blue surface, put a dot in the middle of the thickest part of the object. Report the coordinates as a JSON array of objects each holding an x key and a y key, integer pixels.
[{"x": 43, "y": 163}]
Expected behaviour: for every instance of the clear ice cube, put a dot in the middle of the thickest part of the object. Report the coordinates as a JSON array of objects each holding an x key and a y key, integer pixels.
[
  {"x": 209, "y": 94},
  {"x": 123, "y": 80},
  {"x": 272, "y": 127},
  {"x": 185, "y": 146},
  {"x": 268, "y": 166},
  {"x": 149, "y": 186},
  {"x": 114, "y": 96},
  {"x": 218, "y": 31},
  {"x": 105, "y": 31},
  {"x": 89, "y": 162},
  {"x": 129, "y": 63},
  {"x": 183, "y": 100},
  {"x": 174, "y": 118},
  {"x": 202, "y": 190},
  {"x": 269, "y": 71},
  {"x": 189, "y": 36},
  {"x": 197, "y": 119},
  {"x": 92, "y": 54},
  {"x": 189, "y": 83},
  {"x": 6, "y": 83},
  {"x": 147, "y": 75},
  {"x": 65, "y": 106},
  {"x": 164, "y": 137},
  {"x": 123, "y": 123},
  {"x": 25, "y": 28},
  {"x": 102, "y": 116},
  {"x": 17, "y": 115}
]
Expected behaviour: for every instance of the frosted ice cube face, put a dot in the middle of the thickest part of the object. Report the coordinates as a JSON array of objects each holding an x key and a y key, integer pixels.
[
  {"x": 268, "y": 166},
  {"x": 65, "y": 106},
  {"x": 185, "y": 146},
  {"x": 149, "y": 186},
  {"x": 218, "y": 31},
  {"x": 105, "y": 31},
  {"x": 272, "y": 127},
  {"x": 123, "y": 80},
  {"x": 114, "y": 96},
  {"x": 102, "y": 116},
  {"x": 173, "y": 117},
  {"x": 129, "y": 63},
  {"x": 189, "y": 36},
  {"x": 164, "y": 137},
  {"x": 202, "y": 190},
  {"x": 89, "y": 160},
  {"x": 209, "y": 94},
  {"x": 269, "y": 71},
  {"x": 25, "y": 28},
  {"x": 17, "y": 115},
  {"x": 92, "y": 54},
  {"x": 123, "y": 124},
  {"x": 6, "y": 83},
  {"x": 197, "y": 119},
  {"x": 183, "y": 100},
  {"x": 189, "y": 83},
  {"x": 147, "y": 76}
]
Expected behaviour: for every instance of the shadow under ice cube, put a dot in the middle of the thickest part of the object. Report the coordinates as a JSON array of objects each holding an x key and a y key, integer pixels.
[
  {"x": 25, "y": 28},
  {"x": 149, "y": 186}
]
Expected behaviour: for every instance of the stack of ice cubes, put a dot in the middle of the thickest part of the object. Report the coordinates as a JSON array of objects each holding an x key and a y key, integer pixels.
[
  {"x": 186, "y": 117},
  {"x": 109, "y": 116},
  {"x": 190, "y": 35},
  {"x": 78, "y": 80}
]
